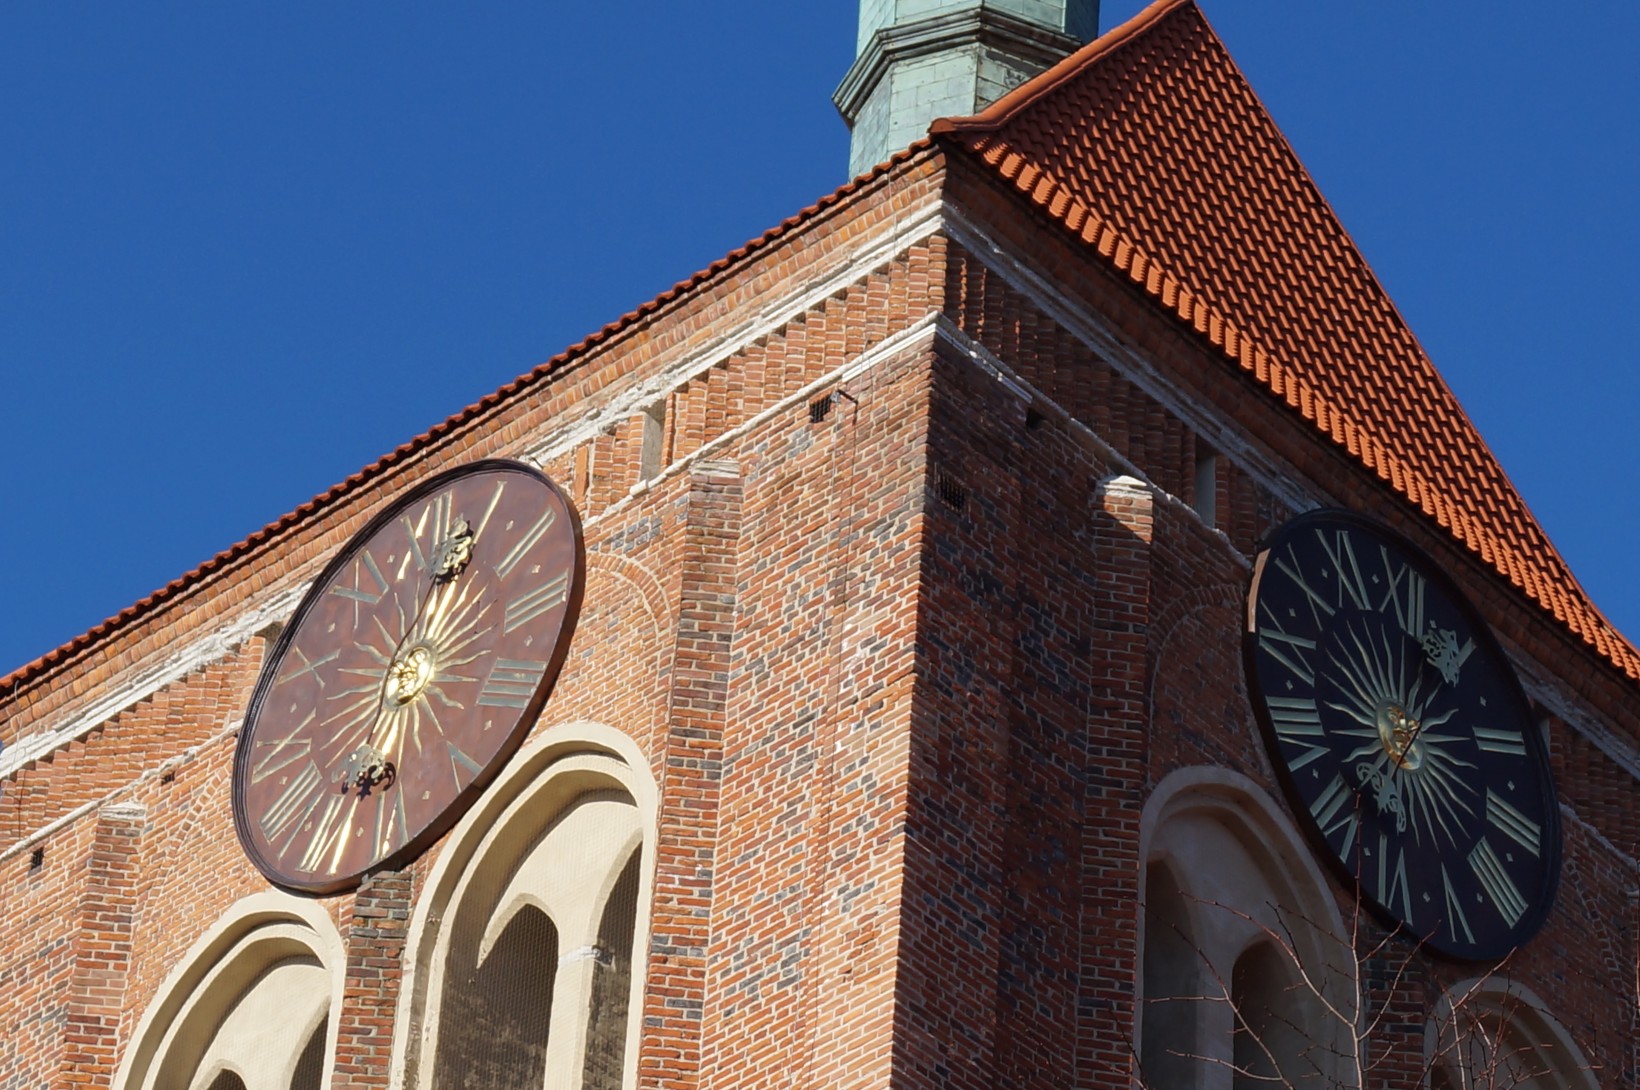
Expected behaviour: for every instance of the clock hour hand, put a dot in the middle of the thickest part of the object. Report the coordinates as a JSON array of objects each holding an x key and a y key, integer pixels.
[{"x": 412, "y": 666}]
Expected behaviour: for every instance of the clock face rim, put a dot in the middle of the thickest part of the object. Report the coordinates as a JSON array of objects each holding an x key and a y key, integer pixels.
[
  {"x": 1537, "y": 756},
  {"x": 455, "y": 807}
]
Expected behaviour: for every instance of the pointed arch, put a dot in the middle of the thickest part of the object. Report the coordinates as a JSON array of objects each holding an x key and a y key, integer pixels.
[
  {"x": 252, "y": 1004},
  {"x": 525, "y": 951},
  {"x": 1490, "y": 1033},
  {"x": 1247, "y": 973}
]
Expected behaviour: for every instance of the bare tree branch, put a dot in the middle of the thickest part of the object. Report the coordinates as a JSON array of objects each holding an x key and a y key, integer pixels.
[{"x": 1476, "y": 1038}]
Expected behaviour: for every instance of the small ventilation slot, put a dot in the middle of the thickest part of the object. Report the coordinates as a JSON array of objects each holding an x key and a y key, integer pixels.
[
  {"x": 37, "y": 859},
  {"x": 650, "y": 453},
  {"x": 1206, "y": 486},
  {"x": 820, "y": 408},
  {"x": 952, "y": 492}
]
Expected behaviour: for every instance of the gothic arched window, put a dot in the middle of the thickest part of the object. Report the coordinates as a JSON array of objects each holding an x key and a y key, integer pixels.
[
  {"x": 248, "y": 1008},
  {"x": 1497, "y": 1035},
  {"x": 525, "y": 941},
  {"x": 1246, "y": 979}
]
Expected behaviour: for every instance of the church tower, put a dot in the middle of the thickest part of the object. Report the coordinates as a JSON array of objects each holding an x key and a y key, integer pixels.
[
  {"x": 1034, "y": 618},
  {"x": 917, "y": 60}
]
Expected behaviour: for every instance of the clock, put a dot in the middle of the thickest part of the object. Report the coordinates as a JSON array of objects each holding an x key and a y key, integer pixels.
[
  {"x": 409, "y": 674},
  {"x": 1401, "y": 735}
]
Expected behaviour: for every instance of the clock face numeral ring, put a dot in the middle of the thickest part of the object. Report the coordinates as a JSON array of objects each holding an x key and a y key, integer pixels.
[
  {"x": 1401, "y": 735},
  {"x": 410, "y": 673}
]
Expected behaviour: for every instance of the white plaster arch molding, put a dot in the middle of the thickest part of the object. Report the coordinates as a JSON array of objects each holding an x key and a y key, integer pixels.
[
  {"x": 1491, "y": 1033},
  {"x": 601, "y": 831},
  {"x": 568, "y": 821},
  {"x": 1235, "y": 905},
  {"x": 270, "y": 952}
]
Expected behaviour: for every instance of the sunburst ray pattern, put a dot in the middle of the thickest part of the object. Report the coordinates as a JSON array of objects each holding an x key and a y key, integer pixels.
[
  {"x": 1404, "y": 755},
  {"x": 451, "y": 628}
]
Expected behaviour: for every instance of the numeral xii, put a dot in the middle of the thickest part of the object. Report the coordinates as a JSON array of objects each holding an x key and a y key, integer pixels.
[
  {"x": 1406, "y": 593},
  {"x": 1341, "y": 552}
]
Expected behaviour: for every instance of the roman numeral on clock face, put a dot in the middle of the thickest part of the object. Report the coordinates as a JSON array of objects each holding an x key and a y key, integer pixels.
[
  {"x": 1286, "y": 648},
  {"x": 526, "y": 541},
  {"x": 286, "y": 811},
  {"x": 1406, "y": 594},
  {"x": 412, "y": 548},
  {"x": 1297, "y": 721},
  {"x": 1512, "y": 823},
  {"x": 511, "y": 683},
  {"x": 1499, "y": 886},
  {"x": 489, "y": 510},
  {"x": 1393, "y": 890},
  {"x": 460, "y": 763},
  {"x": 439, "y": 512},
  {"x": 280, "y": 753},
  {"x": 1341, "y": 552},
  {"x": 536, "y": 601},
  {"x": 1334, "y": 809},
  {"x": 1500, "y": 741},
  {"x": 368, "y": 582},
  {"x": 391, "y": 825},
  {"x": 327, "y": 834},
  {"x": 307, "y": 666},
  {"x": 1456, "y": 920},
  {"x": 1318, "y": 604}
]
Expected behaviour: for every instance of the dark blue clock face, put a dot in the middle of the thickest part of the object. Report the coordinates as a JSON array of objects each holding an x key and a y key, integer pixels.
[{"x": 1402, "y": 735}]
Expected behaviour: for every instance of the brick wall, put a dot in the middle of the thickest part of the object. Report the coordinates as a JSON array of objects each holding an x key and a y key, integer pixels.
[{"x": 906, "y": 642}]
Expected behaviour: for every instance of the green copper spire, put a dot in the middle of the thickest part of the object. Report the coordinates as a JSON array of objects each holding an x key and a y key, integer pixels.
[{"x": 921, "y": 59}]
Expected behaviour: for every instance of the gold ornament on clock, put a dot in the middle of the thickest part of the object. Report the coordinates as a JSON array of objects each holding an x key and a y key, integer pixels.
[{"x": 408, "y": 676}]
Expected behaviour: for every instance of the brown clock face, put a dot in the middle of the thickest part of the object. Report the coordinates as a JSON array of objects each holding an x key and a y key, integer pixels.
[{"x": 411, "y": 671}]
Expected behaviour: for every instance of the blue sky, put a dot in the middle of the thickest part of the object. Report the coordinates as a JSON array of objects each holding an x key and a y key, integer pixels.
[{"x": 246, "y": 249}]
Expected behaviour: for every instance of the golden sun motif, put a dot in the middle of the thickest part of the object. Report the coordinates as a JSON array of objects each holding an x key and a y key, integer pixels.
[
  {"x": 1403, "y": 757},
  {"x": 409, "y": 673},
  {"x": 402, "y": 695},
  {"x": 1398, "y": 731}
]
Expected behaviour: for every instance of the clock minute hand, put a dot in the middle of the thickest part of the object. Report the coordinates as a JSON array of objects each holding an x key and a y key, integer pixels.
[
  {"x": 410, "y": 667},
  {"x": 454, "y": 553}
]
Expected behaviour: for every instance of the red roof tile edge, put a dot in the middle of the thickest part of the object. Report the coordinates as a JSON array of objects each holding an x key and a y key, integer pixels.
[
  {"x": 60, "y": 656},
  {"x": 1046, "y": 83},
  {"x": 976, "y": 135}
]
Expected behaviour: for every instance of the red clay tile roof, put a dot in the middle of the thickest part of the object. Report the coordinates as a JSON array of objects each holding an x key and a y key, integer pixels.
[{"x": 1150, "y": 145}]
